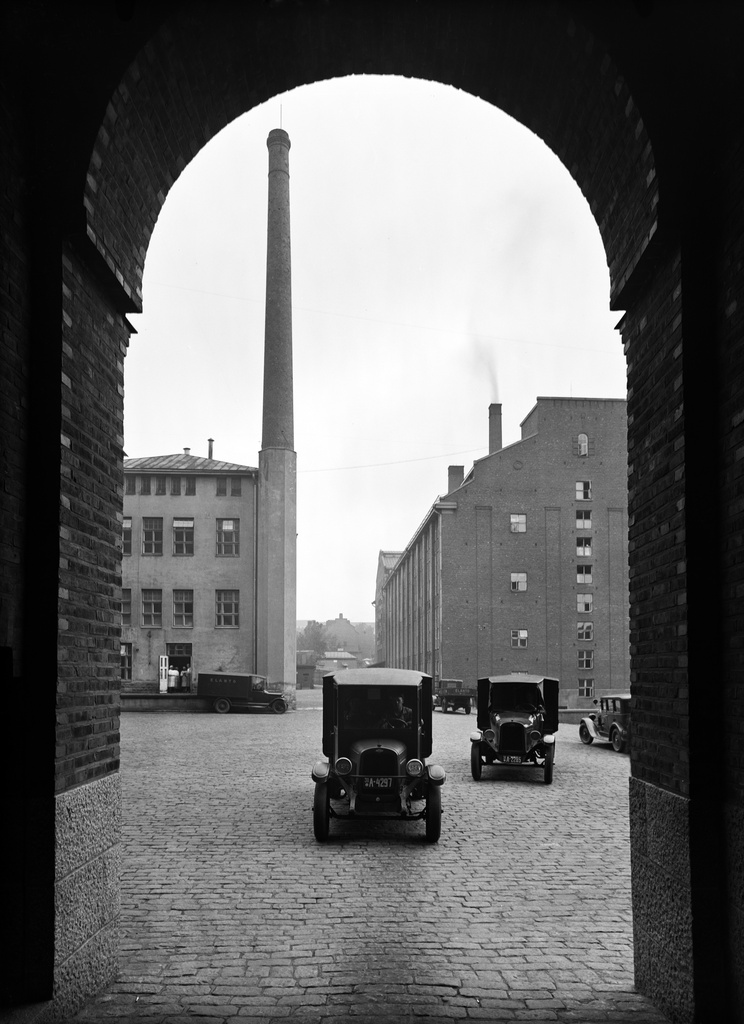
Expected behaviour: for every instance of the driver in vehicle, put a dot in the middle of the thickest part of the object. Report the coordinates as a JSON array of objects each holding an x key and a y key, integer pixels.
[{"x": 397, "y": 715}]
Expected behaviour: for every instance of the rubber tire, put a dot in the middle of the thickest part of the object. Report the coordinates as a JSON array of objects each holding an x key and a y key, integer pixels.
[
  {"x": 445, "y": 707},
  {"x": 584, "y": 735},
  {"x": 468, "y": 709},
  {"x": 617, "y": 741},
  {"x": 434, "y": 814},
  {"x": 221, "y": 705},
  {"x": 278, "y": 707},
  {"x": 321, "y": 811},
  {"x": 548, "y": 767},
  {"x": 475, "y": 761}
]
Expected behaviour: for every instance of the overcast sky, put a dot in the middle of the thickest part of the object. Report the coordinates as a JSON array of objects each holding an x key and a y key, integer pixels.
[{"x": 442, "y": 259}]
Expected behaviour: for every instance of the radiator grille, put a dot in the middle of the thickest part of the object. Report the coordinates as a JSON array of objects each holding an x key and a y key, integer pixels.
[
  {"x": 378, "y": 762},
  {"x": 511, "y": 740}
]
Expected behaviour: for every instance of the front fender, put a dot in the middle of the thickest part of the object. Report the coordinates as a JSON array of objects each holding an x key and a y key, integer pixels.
[
  {"x": 591, "y": 728},
  {"x": 321, "y": 771},
  {"x": 437, "y": 774}
]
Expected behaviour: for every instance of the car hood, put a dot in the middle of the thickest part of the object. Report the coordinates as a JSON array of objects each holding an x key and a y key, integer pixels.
[{"x": 358, "y": 747}]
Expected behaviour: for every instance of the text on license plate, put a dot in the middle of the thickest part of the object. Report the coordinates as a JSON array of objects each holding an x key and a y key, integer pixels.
[
  {"x": 378, "y": 782},
  {"x": 511, "y": 758}
]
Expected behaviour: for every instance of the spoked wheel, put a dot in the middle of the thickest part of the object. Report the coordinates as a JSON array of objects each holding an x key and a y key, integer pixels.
[
  {"x": 221, "y": 705},
  {"x": 321, "y": 811},
  {"x": 475, "y": 761},
  {"x": 618, "y": 743},
  {"x": 548, "y": 766},
  {"x": 433, "y": 814},
  {"x": 584, "y": 735},
  {"x": 278, "y": 707}
]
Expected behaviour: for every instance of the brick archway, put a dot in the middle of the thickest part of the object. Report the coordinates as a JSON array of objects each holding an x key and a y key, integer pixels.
[{"x": 594, "y": 84}]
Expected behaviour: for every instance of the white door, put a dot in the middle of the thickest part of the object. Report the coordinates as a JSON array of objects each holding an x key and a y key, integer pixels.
[{"x": 163, "y": 673}]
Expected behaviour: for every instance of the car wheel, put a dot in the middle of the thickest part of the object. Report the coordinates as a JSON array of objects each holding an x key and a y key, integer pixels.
[
  {"x": 617, "y": 741},
  {"x": 468, "y": 709},
  {"x": 433, "y": 814},
  {"x": 278, "y": 707},
  {"x": 321, "y": 811},
  {"x": 548, "y": 767},
  {"x": 584, "y": 735},
  {"x": 445, "y": 706},
  {"x": 475, "y": 760},
  {"x": 221, "y": 705}
]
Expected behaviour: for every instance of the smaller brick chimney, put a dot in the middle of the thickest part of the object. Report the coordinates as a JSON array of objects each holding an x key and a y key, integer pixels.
[
  {"x": 494, "y": 428},
  {"x": 187, "y": 451},
  {"x": 211, "y": 447},
  {"x": 455, "y": 476}
]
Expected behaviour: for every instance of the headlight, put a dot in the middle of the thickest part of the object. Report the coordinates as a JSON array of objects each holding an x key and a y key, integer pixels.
[
  {"x": 489, "y": 736},
  {"x": 535, "y": 736},
  {"x": 343, "y": 766},
  {"x": 414, "y": 767}
]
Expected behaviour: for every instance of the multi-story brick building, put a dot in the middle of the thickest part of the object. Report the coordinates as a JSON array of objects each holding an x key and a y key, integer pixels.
[
  {"x": 189, "y": 569},
  {"x": 523, "y": 564}
]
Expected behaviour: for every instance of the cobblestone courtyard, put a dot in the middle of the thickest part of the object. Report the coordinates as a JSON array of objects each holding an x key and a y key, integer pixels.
[{"x": 230, "y": 909}]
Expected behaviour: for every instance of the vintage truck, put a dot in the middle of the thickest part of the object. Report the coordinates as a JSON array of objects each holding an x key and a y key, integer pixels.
[
  {"x": 237, "y": 690},
  {"x": 451, "y": 694}
]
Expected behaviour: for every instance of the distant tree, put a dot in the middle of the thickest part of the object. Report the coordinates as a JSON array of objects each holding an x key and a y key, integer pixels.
[{"x": 315, "y": 637}]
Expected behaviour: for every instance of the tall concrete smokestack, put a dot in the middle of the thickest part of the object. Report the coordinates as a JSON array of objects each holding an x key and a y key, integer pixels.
[
  {"x": 276, "y": 577},
  {"x": 494, "y": 428}
]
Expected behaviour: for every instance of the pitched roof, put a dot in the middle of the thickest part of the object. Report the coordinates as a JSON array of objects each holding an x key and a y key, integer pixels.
[{"x": 183, "y": 463}]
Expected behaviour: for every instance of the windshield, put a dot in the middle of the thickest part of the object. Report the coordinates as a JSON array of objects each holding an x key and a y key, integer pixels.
[
  {"x": 515, "y": 696},
  {"x": 375, "y": 707}
]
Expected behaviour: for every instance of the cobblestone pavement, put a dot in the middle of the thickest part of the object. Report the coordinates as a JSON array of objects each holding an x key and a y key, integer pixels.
[{"x": 232, "y": 911}]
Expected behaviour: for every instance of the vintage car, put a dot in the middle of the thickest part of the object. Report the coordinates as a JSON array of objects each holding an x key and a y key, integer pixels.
[
  {"x": 452, "y": 694},
  {"x": 377, "y": 734},
  {"x": 611, "y": 721},
  {"x": 237, "y": 690},
  {"x": 517, "y": 722}
]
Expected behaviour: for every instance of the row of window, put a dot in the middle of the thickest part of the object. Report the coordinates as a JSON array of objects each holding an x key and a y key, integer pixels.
[
  {"x": 584, "y": 631},
  {"x": 227, "y": 539},
  {"x": 157, "y": 484},
  {"x": 584, "y": 575},
  {"x": 518, "y": 520},
  {"x": 226, "y": 608}
]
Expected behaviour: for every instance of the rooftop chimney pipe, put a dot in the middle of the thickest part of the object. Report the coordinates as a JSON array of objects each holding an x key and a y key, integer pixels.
[
  {"x": 211, "y": 446},
  {"x": 187, "y": 451},
  {"x": 494, "y": 428},
  {"x": 455, "y": 477}
]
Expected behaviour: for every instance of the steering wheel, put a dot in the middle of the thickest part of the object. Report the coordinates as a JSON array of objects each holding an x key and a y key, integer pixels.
[{"x": 395, "y": 723}]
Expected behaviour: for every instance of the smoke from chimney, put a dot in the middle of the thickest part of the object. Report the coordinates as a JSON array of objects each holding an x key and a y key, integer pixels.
[{"x": 211, "y": 447}]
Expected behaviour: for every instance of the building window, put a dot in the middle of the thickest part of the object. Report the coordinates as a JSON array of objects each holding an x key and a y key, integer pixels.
[
  {"x": 586, "y": 659},
  {"x": 175, "y": 484},
  {"x": 221, "y": 486},
  {"x": 152, "y": 608},
  {"x": 583, "y": 574},
  {"x": 152, "y": 536},
  {"x": 126, "y": 536},
  {"x": 519, "y": 638},
  {"x": 586, "y": 687},
  {"x": 125, "y": 651},
  {"x": 227, "y": 608},
  {"x": 160, "y": 484},
  {"x": 518, "y": 522},
  {"x": 144, "y": 485},
  {"x": 583, "y": 519},
  {"x": 236, "y": 486},
  {"x": 183, "y": 607},
  {"x": 519, "y": 581},
  {"x": 584, "y": 602},
  {"x": 582, "y": 444},
  {"x": 584, "y": 547},
  {"x": 126, "y": 606},
  {"x": 183, "y": 536},
  {"x": 130, "y": 483},
  {"x": 228, "y": 536},
  {"x": 190, "y": 485},
  {"x": 584, "y": 630},
  {"x": 583, "y": 490}
]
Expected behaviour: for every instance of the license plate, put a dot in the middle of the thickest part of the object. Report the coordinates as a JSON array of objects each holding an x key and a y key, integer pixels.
[
  {"x": 511, "y": 759},
  {"x": 378, "y": 782}
]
